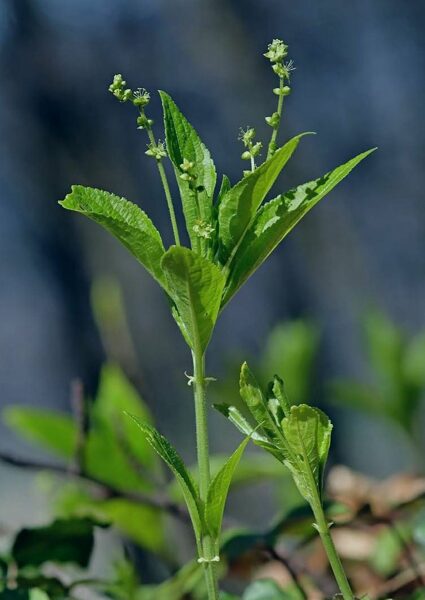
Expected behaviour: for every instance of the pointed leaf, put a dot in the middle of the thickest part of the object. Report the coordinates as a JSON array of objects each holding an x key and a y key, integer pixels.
[
  {"x": 276, "y": 219},
  {"x": 308, "y": 435},
  {"x": 255, "y": 401},
  {"x": 126, "y": 221},
  {"x": 239, "y": 205},
  {"x": 195, "y": 284},
  {"x": 183, "y": 142},
  {"x": 173, "y": 460},
  {"x": 219, "y": 489}
]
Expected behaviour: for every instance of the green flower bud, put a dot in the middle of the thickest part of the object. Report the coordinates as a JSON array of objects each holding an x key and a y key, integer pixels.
[
  {"x": 246, "y": 155},
  {"x": 273, "y": 120},
  {"x": 246, "y": 173},
  {"x": 187, "y": 165},
  {"x": 256, "y": 148},
  {"x": 186, "y": 177},
  {"x": 158, "y": 152},
  {"x": 276, "y": 51}
]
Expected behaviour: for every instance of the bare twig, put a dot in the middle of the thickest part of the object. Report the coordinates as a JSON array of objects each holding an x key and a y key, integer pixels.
[
  {"x": 79, "y": 409},
  {"x": 164, "y": 504}
]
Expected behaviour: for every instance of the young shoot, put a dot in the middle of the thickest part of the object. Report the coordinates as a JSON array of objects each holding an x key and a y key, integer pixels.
[{"x": 231, "y": 231}]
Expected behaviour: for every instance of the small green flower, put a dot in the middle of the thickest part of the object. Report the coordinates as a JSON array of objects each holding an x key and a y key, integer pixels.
[
  {"x": 246, "y": 136},
  {"x": 141, "y": 97},
  {"x": 156, "y": 151},
  {"x": 203, "y": 229},
  {"x": 187, "y": 165},
  {"x": 273, "y": 120},
  {"x": 276, "y": 51}
]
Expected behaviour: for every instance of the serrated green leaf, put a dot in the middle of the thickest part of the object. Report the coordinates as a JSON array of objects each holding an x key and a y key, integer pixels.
[
  {"x": 173, "y": 460},
  {"x": 239, "y": 205},
  {"x": 52, "y": 430},
  {"x": 276, "y": 219},
  {"x": 125, "y": 220},
  {"x": 219, "y": 489},
  {"x": 183, "y": 142},
  {"x": 195, "y": 285},
  {"x": 256, "y": 403},
  {"x": 307, "y": 432}
]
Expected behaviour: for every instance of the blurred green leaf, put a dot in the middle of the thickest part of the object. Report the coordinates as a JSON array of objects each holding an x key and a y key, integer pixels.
[
  {"x": 125, "y": 220},
  {"x": 386, "y": 552},
  {"x": 63, "y": 541},
  {"x": 265, "y": 589},
  {"x": 291, "y": 349},
  {"x": 52, "y": 430},
  {"x": 195, "y": 285},
  {"x": 414, "y": 361},
  {"x": 188, "y": 579},
  {"x": 138, "y": 522}
]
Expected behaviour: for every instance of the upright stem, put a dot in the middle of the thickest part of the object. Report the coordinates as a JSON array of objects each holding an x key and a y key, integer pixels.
[
  {"x": 272, "y": 143},
  {"x": 207, "y": 543},
  {"x": 329, "y": 546},
  {"x": 167, "y": 192}
]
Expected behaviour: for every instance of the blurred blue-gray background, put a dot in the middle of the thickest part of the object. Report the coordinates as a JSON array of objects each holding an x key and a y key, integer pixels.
[{"x": 359, "y": 82}]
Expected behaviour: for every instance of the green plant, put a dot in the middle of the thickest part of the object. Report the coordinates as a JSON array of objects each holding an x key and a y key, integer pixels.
[{"x": 230, "y": 236}]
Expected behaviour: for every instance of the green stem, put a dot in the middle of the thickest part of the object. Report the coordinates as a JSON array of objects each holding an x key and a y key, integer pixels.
[
  {"x": 272, "y": 143},
  {"x": 329, "y": 546},
  {"x": 199, "y": 384},
  {"x": 167, "y": 192}
]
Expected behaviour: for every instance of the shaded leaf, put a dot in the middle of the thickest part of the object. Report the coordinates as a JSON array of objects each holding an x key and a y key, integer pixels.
[
  {"x": 219, "y": 489},
  {"x": 63, "y": 541},
  {"x": 173, "y": 460},
  {"x": 52, "y": 430},
  {"x": 276, "y": 219},
  {"x": 239, "y": 205},
  {"x": 125, "y": 220},
  {"x": 183, "y": 142},
  {"x": 195, "y": 285}
]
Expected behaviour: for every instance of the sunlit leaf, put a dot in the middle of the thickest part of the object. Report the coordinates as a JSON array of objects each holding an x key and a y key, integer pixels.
[
  {"x": 183, "y": 142},
  {"x": 239, "y": 205},
  {"x": 276, "y": 219},
  {"x": 307, "y": 432},
  {"x": 195, "y": 285},
  {"x": 125, "y": 220}
]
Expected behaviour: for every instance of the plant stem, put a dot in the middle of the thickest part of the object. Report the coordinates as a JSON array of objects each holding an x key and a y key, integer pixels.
[
  {"x": 272, "y": 143},
  {"x": 167, "y": 192},
  {"x": 329, "y": 546},
  {"x": 202, "y": 445}
]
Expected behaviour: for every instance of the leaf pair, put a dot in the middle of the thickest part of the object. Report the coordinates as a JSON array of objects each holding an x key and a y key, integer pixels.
[
  {"x": 206, "y": 516},
  {"x": 298, "y": 436}
]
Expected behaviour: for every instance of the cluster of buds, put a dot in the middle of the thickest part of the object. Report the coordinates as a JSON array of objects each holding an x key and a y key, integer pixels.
[
  {"x": 252, "y": 149},
  {"x": 119, "y": 90},
  {"x": 203, "y": 229},
  {"x": 277, "y": 52},
  {"x": 139, "y": 98},
  {"x": 188, "y": 173}
]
